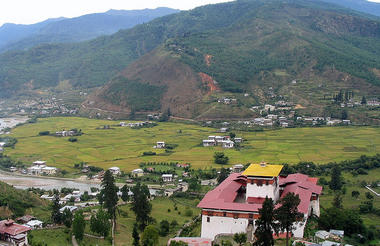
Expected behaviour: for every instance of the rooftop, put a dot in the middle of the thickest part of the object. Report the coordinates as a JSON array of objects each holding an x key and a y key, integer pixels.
[
  {"x": 263, "y": 170},
  {"x": 11, "y": 228}
]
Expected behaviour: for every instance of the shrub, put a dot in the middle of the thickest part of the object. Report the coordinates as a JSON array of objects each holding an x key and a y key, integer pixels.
[
  {"x": 220, "y": 158},
  {"x": 44, "y": 133},
  {"x": 73, "y": 140},
  {"x": 149, "y": 153}
]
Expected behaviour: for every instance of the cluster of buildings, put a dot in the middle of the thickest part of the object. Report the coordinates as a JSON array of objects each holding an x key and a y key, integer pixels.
[
  {"x": 224, "y": 141},
  {"x": 226, "y": 100},
  {"x": 65, "y": 133},
  {"x": 135, "y": 124},
  {"x": 40, "y": 168},
  {"x": 45, "y": 106},
  {"x": 233, "y": 206}
]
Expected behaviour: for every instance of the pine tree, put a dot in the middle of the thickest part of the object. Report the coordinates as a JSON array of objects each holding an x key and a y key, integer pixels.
[
  {"x": 287, "y": 214},
  {"x": 336, "y": 182},
  {"x": 364, "y": 100},
  {"x": 124, "y": 193},
  {"x": 141, "y": 205},
  {"x": 79, "y": 225},
  {"x": 67, "y": 218},
  {"x": 135, "y": 235},
  {"x": 337, "y": 202},
  {"x": 223, "y": 175},
  {"x": 108, "y": 195},
  {"x": 266, "y": 225},
  {"x": 56, "y": 215}
]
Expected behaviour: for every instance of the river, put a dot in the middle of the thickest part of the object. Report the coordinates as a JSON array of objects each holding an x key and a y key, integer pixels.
[
  {"x": 11, "y": 122},
  {"x": 25, "y": 182}
]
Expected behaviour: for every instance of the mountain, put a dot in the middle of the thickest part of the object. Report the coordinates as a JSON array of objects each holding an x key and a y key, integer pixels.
[
  {"x": 364, "y": 6},
  {"x": 10, "y": 32},
  {"x": 86, "y": 27},
  {"x": 267, "y": 45},
  {"x": 186, "y": 61}
]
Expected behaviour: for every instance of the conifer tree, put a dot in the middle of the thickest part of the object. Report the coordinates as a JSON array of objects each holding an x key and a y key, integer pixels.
[
  {"x": 336, "y": 182},
  {"x": 108, "y": 195},
  {"x": 287, "y": 214},
  {"x": 266, "y": 225}
]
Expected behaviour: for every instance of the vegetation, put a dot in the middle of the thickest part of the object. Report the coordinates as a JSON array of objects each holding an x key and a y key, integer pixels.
[
  {"x": 287, "y": 214},
  {"x": 100, "y": 223},
  {"x": 108, "y": 195},
  {"x": 265, "y": 225},
  {"x": 141, "y": 205},
  {"x": 220, "y": 158},
  {"x": 79, "y": 225},
  {"x": 122, "y": 147},
  {"x": 16, "y": 202}
]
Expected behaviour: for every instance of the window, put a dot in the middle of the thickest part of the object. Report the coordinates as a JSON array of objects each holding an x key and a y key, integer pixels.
[
  {"x": 267, "y": 182},
  {"x": 259, "y": 183},
  {"x": 236, "y": 216},
  {"x": 208, "y": 219},
  {"x": 224, "y": 214},
  {"x": 250, "y": 216}
]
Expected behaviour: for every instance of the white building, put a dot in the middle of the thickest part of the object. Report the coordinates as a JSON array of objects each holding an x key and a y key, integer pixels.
[
  {"x": 233, "y": 206},
  {"x": 39, "y": 163},
  {"x": 71, "y": 208},
  {"x": 115, "y": 170},
  {"x": 167, "y": 177},
  {"x": 208, "y": 143},
  {"x": 228, "y": 144},
  {"x": 34, "y": 224},
  {"x": 238, "y": 140},
  {"x": 160, "y": 145},
  {"x": 137, "y": 172}
]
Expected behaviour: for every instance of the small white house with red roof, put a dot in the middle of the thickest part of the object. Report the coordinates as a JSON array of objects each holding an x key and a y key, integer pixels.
[
  {"x": 14, "y": 233},
  {"x": 233, "y": 206}
]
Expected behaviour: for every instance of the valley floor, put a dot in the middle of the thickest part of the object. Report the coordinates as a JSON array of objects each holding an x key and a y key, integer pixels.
[{"x": 123, "y": 147}]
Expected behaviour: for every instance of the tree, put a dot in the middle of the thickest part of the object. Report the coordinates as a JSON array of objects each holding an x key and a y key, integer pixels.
[
  {"x": 108, "y": 194},
  {"x": 141, "y": 205},
  {"x": 355, "y": 194},
  {"x": 232, "y": 135},
  {"x": 337, "y": 202},
  {"x": 287, "y": 214},
  {"x": 150, "y": 236},
  {"x": 220, "y": 158},
  {"x": 100, "y": 223},
  {"x": 79, "y": 225},
  {"x": 177, "y": 243},
  {"x": 67, "y": 218},
  {"x": 124, "y": 193},
  {"x": 364, "y": 100},
  {"x": 135, "y": 235},
  {"x": 240, "y": 238},
  {"x": 164, "y": 228},
  {"x": 223, "y": 175},
  {"x": 336, "y": 182},
  {"x": 266, "y": 224},
  {"x": 56, "y": 215},
  {"x": 368, "y": 195}
]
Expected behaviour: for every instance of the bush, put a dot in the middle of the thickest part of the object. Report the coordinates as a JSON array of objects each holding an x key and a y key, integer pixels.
[
  {"x": 73, "y": 140},
  {"x": 188, "y": 212},
  {"x": 220, "y": 158},
  {"x": 149, "y": 153},
  {"x": 44, "y": 133}
]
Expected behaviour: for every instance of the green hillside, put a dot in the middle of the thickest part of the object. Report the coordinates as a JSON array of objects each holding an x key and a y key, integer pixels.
[
  {"x": 269, "y": 44},
  {"x": 14, "y": 202}
]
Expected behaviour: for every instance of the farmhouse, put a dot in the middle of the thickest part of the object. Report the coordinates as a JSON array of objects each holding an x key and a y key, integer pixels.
[
  {"x": 238, "y": 140},
  {"x": 167, "y": 177},
  {"x": 160, "y": 145},
  {"x": 208, "y": 143},
  {"x": 114, "y": 170},
  {"x": 228, "y": 144},
  {"x": 65, "y": 133},
  {"x": 14, "y": 233},
  {"x": 137, "y": 172},
  {"x": 233, "y": 206}
]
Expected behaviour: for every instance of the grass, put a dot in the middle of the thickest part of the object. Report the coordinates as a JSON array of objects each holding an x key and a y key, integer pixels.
[
  {"x": 62, "y": 237},
  {"x": 123, "y": 147},
  {"x": 160, "y": 206}
]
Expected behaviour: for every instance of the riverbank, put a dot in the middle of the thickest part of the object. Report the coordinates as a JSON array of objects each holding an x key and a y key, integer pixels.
[{"x": 11, "y": 122}]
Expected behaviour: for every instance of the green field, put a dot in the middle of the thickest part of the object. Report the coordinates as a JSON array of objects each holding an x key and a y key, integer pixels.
[{"x": 123, "y": 147}]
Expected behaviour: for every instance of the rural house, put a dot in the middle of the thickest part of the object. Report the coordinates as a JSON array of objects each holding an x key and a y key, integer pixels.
[
  {"x": 137, "y": 172},
  {"x": 233, "y": 206},
  {"x": 167, "y": 177},
  {"x": 14, "y": 233},
  {"x": 115, "y": 170},
  {"x": 160, "y": 145}
]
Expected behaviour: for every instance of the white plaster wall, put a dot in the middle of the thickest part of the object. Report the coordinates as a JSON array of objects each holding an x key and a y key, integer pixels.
[
  {"x": 218, "y": 225},
  {"x": 315, "y": 205},
  {"x": 253, "y": 190},
  {"x": 300, "y": 227}
]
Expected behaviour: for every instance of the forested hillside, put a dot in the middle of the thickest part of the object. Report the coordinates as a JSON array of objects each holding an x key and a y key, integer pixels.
[
  {"x": 268, "y": 45},
  {"x": 246, "y": 46},
  {"x": 86, "y": 27}
]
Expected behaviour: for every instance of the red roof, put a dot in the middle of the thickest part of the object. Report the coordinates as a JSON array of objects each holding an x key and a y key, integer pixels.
[
  {"x": 224, "y": 195},
  {"x": 11, "y": 228}
]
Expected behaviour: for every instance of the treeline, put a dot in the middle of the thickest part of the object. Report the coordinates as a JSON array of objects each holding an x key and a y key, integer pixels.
[{"x": 357, "y": 166}]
